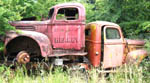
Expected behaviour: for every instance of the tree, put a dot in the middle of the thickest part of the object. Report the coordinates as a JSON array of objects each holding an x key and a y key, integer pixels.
[{"x": 132, "y": 15}]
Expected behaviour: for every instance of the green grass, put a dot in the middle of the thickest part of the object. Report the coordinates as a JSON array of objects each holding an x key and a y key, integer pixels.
[{"x": 124, "y": 74}]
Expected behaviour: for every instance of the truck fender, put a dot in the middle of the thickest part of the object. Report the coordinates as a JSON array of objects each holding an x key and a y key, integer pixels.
[
  {"x": 42, "y": 40},
  {"x": 136, "y": 56}
]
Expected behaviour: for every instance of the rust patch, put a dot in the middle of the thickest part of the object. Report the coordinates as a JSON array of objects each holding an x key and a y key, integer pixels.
[{"x": 23, "y": 57}]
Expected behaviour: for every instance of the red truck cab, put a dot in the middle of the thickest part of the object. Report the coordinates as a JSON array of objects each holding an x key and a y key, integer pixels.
[
  {"x": 67, "y": 25},
  {"x": 62, "y": 34},
  {"x": 107, "y": 47}
]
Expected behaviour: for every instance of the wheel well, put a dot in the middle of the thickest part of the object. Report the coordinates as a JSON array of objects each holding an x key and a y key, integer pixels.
[{"x": 23, "y": 43}]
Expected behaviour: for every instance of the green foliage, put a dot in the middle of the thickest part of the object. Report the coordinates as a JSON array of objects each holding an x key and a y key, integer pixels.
[
  {"x": 132, "y": 15},
  {"x": 136, "y": 29},
  {"x": 38, "y": 8},
  {"x": 124, "y": 74},
  {"x": 135, "y": 10},
  {"x": 1, "y": 46},
  {"x": 147, "y": 45},
  {"x": 131, "y": 74},
  {"x": 126, "y": 12},
  {"x": 10, "y": 10},
  {"x": 146, "y": 68}
]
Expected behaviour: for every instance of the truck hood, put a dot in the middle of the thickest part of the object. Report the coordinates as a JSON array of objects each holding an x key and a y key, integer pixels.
[
  {"x": 28, "y": 25},
  {"x": 23, "y": 23},
  {"x": 135, "y": 42}
]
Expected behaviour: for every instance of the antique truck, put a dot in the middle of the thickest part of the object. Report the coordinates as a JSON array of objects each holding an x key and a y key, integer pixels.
[
  {"x": 107, "y": 47},
  {"x": 61, "y": 40}
]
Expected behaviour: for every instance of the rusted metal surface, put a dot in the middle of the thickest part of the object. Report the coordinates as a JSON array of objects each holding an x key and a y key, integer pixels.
[
  {"x": 74, "y": 5},
  {"x": 113, "y": 48},
  {"x": 103, "y": 50},
  {"x": 16, "y": 42},
  {"x": 23, "y": 57},
  {"x": 110, "y": 52},
  {"x": 27, "y": 23},
  {"x": 93, "y": 43},
  {"x": 69, "y": 34},
  {"x": 136, "y": 56},
  {"x": 135, "y": 42},
  {"x": 63, "y": 35},
  {"x": 58, "y": 40}
]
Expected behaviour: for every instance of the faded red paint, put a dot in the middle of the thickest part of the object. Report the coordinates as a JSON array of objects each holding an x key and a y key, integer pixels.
[
  {"x": 93, "y": 44},
  {"x": 65, "y": 36},
  {"x": 109, "y": 52},
  {"x": 135, "y": 42},
  {"x": 41, "y": 39},
  {"x": 23, "y": 57},
  {"x": 136, "y": 56},
  {"x": 69, "y": 34}
]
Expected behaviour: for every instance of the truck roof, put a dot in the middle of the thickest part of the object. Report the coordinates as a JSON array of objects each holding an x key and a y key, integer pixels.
[
  {"x": 81, "y": 8},
  {"x": 103, "y": 23},
  {"x": 69, "y": 4}
]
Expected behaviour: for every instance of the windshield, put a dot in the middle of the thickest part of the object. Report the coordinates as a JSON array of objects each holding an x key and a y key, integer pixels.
[{"x": 50, "y": 13}]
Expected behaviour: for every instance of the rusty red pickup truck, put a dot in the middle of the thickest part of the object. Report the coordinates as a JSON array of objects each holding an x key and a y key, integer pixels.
[{"x": 64, "y": 38}]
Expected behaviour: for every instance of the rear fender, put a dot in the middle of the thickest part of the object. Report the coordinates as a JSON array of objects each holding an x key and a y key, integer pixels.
[
  {"x": 136, "y": 56},
  {"x": 41, "y": 39}
]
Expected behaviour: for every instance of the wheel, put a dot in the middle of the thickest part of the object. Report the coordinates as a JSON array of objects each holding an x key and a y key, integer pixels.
[{"x": 23, "y": 57}]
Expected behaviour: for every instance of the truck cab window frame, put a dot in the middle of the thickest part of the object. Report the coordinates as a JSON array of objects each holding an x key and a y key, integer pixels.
[
  {"x": 112, "y": 33},
  {"x": 51, "y": 12},
  {"x": 67, "y": 14}
]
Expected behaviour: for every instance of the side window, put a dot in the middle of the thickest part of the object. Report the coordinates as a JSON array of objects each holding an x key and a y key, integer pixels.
[
  {"x": 87, "y": 32},
  {"x": 112, "y": 33},
  {"x": 67, "y": 14}
]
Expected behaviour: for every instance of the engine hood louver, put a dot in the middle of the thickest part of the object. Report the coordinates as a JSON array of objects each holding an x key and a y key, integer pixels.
[{"x": 28, "y": 28}]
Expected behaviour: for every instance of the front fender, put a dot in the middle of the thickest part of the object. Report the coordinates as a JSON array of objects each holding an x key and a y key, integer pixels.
[
  {"x": 136, "y": 56},
  {"x": 41, "y": 39}
]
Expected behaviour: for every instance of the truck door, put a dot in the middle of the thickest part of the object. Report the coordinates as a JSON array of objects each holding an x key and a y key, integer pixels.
[
  {"x": 67, "y": 29},
  {"x": 113, "y": 47}
]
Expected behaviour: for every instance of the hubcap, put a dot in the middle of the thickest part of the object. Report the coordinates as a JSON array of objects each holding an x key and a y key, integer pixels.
[{"x": 23, "y": 57}]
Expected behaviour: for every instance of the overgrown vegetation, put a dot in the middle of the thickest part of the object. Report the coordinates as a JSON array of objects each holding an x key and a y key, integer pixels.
[
  {"x": 132, "y": 15},
  {"x": 124, "y": 74}
]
